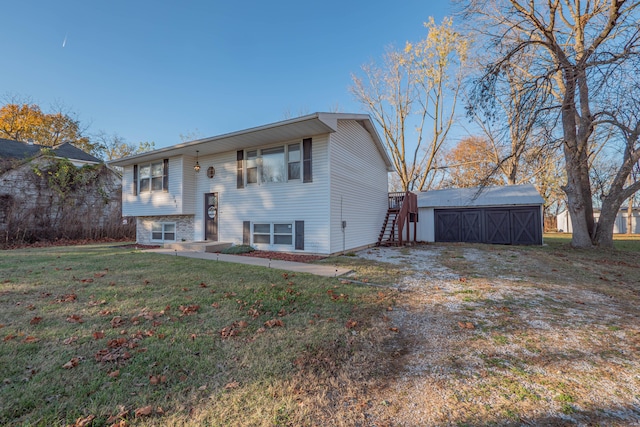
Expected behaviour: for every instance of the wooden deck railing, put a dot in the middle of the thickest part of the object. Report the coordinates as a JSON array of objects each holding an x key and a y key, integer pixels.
[
  {"x": 406, "y": 204},
  {"x": 395, "y": 200}
]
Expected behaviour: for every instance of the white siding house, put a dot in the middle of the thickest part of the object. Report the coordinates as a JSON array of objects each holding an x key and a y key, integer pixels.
[
  {"x": 619, "y": 226},
  {"x": 315, "y": 184}
]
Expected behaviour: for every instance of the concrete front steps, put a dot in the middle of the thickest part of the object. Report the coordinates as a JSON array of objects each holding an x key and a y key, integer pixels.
[{"x": 198, "y": 246}]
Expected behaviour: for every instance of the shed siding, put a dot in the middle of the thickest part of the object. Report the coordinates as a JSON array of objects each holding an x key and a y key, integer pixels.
[
  {"x": 426, "y": 230},
  {"x": 358, "y": 187},
  {"x": 284, "y": 202}
]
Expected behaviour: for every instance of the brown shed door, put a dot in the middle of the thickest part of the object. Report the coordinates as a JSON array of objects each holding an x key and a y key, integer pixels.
[{"x": 211, "y": 216}]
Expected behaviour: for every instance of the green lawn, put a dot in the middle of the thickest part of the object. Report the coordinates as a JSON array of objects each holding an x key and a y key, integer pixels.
[
  {"x": 622, "y": 242},
  {"x": 112, "y": 333}
]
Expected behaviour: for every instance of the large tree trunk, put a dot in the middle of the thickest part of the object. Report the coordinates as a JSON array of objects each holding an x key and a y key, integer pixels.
[
  {"x": 604, "y": 232},
  {"x": 576, "y": 205},
  {"x": 613, "y": 201}
]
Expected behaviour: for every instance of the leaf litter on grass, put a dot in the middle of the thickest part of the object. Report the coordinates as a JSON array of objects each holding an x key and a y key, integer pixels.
[{"x": 138, "y": 340}]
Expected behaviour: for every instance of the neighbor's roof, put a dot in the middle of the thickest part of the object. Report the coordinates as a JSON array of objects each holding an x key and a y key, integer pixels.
[
  {"x": 10, "y": 149},
  {"x": 509, "y": 195},
  {"x": 300, "y": 127}
]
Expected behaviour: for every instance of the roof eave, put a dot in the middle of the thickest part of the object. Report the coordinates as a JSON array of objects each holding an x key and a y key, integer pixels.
[{"x": 322, "y": 125}]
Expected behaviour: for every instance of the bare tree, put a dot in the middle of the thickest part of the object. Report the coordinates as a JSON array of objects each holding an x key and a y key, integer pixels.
[
  {"x": 416, "y": 87},
  {"x": 114, "y": 146},
  {"x": 579, "y": 50}
]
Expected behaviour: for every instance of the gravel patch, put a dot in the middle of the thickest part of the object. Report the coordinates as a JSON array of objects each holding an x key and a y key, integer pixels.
[{"x": 497, "y": 341}]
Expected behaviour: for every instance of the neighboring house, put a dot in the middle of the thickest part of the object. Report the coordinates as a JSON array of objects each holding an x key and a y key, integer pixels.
[
  {"x": 56, "y": 192},
  {"x": 619, "y": 226},
  {"x": 17, "y": 151},
  {"x": 315, "y": 184},
  {"x": 509, "y": 214}
]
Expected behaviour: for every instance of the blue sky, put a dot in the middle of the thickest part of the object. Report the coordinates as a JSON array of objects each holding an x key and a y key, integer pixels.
[{"x": 153, "y": 70}]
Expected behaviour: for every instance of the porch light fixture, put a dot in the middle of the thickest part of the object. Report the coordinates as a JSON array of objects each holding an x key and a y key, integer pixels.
[{"x": 197, "y": 165}]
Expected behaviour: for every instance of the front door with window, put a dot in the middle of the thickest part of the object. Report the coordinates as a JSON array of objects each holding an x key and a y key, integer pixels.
[{"x": 211, "y": 216}]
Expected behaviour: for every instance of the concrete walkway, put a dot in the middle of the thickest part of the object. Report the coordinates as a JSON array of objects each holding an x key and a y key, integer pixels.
[{"x": 299, "y": 267}]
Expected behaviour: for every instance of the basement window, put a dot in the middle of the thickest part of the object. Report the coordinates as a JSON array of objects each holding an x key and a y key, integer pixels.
[
  {"x": 276, "y": 234},
  {"x": 163, "y": 231}
]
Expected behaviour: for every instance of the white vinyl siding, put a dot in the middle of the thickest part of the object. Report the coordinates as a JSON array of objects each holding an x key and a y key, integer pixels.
[
  {"x": 271, "y": 203},
  {"x": 349, "y": 184},
  {"x": 174, "y": 201},
  {"x": 359, "y": 192}
]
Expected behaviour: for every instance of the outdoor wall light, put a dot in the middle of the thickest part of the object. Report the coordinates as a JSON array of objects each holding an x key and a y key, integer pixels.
[{"x": 197, "y": 165}]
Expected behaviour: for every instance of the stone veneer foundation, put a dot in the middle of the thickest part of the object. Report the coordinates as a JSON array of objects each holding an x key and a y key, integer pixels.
[{"x": 184, "y": 228}]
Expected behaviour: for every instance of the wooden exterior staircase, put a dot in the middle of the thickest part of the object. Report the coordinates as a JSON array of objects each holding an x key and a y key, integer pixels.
[{"x": 402, "y": 211}]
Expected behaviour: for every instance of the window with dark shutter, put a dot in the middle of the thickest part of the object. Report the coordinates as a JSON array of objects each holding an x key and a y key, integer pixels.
[
  {"x": 246, "y": 233},
  {"x": 300, "y": 235},
  {"x": 135, "y": 180},
  {"x": 165, "y": 175},
  {"x": 306, "y": 160},
  {"x": 240, "y": 172}
]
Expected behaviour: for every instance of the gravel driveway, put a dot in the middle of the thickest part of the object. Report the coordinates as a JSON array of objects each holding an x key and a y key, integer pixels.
[{"x": 506, "y": 336}]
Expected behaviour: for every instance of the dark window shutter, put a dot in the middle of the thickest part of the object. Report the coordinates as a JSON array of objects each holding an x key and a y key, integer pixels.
[
  {"x": 135, "y": 180},
  {"x": 240, "y": 171},
  {"x": 306, "y": 159},
  {"x": 165, "y": 175},
  {"x": 246, "y": 232},
  {"x": 300, "y": 235}
]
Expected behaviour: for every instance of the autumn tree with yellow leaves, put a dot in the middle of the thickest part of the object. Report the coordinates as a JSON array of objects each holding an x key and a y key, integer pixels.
[
  {"x": 412, "y": 96},
  {"x": 26, "y": 122},
  {"x": 473, "y": 162}
]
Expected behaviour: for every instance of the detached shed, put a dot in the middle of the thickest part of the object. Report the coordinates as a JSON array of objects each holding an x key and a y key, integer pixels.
[{"x": 508, "y": 215}]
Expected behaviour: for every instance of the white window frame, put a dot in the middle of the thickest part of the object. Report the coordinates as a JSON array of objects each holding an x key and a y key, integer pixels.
[
  {"x": 254, "y": 164},
  {"x": 151, "y": 178},
  {"x": 273, "y": 235},
  {"x": 163, "y": 231}
]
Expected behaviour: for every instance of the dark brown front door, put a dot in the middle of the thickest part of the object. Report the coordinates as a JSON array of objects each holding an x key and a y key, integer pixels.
[{"x": 211, "y": 216}]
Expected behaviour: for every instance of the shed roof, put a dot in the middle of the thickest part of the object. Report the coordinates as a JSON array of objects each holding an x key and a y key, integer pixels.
[{"x": 508, "y": 195}]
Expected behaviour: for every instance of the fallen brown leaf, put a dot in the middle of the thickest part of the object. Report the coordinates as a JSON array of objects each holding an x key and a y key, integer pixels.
[
  {"x": 71, "y": 363},
  {"x": 144, "y": 411},
  {"x": 119, "y": 419},
  {"x": 116, "y": 322},
  {"x": 70, "y": 340},
  {"x": 74, "y": 318},
  {"x": 189, "y": 310},
  {"x": 351, "y": 324},
  {"x": 274, "y": 323},
  {"x": 35, "y": 320},
  {"x": 83, "y": 422},
  {"x": 232, "y": 385}
]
